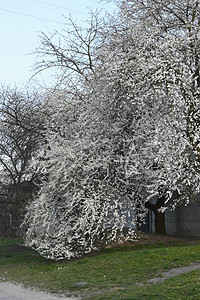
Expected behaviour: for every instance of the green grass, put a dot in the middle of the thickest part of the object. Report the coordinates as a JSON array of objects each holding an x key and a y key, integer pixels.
[
  {"x": 112, "y": 274},
  {"x": 184, "y": 287}
]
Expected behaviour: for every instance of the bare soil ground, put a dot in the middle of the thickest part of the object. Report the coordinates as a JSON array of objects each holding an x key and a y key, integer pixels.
[
  {"x": 150, "y": 239},
  {"x": 154, "y": 240}
]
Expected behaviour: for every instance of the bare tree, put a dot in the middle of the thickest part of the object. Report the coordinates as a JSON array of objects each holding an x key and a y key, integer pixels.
[
  {"x": 20, "y": 139},
  {"x": 71, "y": 51}
]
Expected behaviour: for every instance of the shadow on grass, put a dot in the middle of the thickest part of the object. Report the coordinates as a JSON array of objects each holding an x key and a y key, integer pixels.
[{"x": 15, "y": 250}]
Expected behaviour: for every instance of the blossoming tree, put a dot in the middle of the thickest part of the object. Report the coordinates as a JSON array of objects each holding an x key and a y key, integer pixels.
[{"x": 129, "y": 130}]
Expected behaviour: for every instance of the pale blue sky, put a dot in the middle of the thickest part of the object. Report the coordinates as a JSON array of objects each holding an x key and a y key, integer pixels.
[{"x": 19, "y": 33}]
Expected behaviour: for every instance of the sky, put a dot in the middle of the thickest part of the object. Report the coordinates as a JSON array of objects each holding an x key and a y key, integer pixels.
[{"x": 21, "y": 21}]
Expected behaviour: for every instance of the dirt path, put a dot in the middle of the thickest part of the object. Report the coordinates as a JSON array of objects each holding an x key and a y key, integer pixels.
[
  {"x": 10, "y": 291},
  {"x": 175, "y": 272}
]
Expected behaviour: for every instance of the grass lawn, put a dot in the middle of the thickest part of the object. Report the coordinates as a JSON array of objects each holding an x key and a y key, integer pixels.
[
  {"x": 116, "y": 273},
  {"x": 184, "y": 287}
]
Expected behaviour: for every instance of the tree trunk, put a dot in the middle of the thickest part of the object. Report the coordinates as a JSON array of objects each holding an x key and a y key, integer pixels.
[
  {"x": 160, "y": 222},
  {"x": 159, "y": 217}
]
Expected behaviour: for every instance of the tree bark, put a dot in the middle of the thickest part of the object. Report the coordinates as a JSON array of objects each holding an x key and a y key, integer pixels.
[
  {"x": 160, "y": 222},
  {"x": 159, "y": 217}
]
